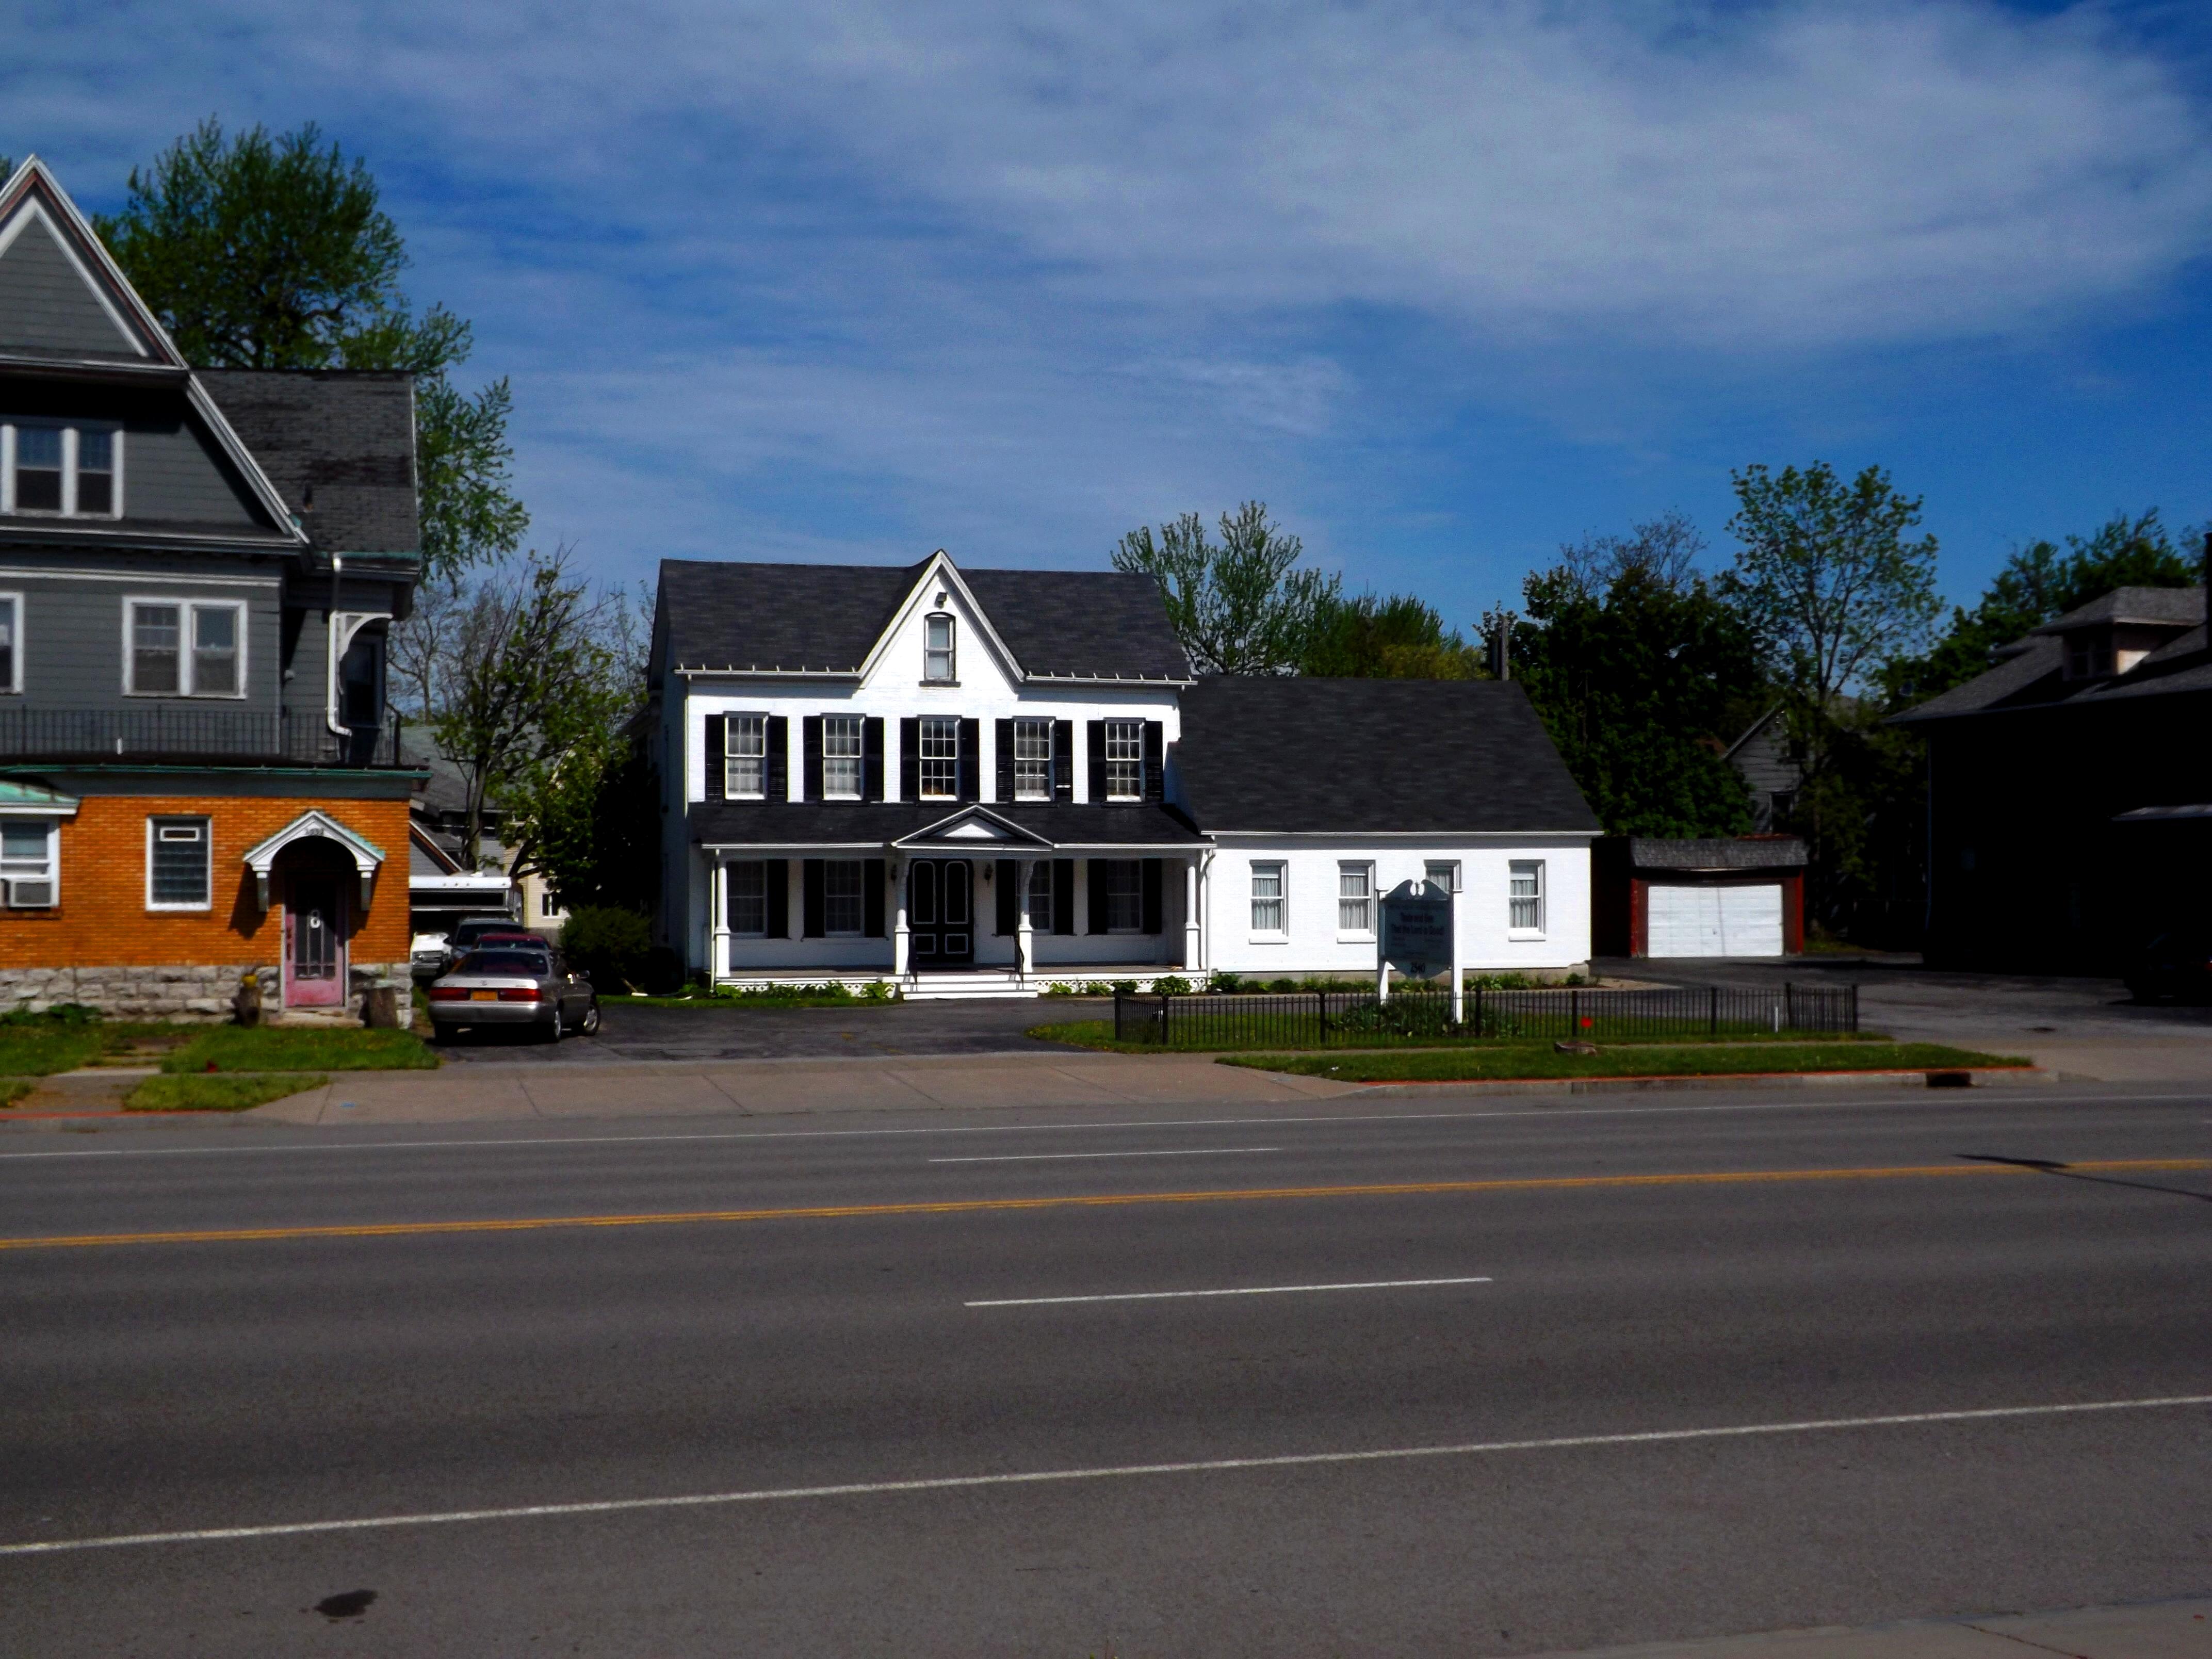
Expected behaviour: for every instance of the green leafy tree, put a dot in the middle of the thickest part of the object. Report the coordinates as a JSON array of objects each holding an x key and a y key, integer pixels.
[
  {"x": 1397, "y": 638},
  {"x": 271, "y": 251},
  {"x": 1239, "y": 606}
]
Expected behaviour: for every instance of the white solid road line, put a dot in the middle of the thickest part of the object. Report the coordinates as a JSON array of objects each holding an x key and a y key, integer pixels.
[
  {"x": 1121, "y": 1472},
  {"x": 521, "y": 1141},
  {"x": 1062, "y": 1157},
  {"x": 1249, "y": 1290}
]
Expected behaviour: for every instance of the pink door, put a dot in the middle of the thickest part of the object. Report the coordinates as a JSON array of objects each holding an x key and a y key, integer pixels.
[{"x": 314, "y": 944}]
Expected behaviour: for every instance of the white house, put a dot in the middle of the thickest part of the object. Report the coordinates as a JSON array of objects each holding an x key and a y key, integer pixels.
[{"x": 988, "y": 781}]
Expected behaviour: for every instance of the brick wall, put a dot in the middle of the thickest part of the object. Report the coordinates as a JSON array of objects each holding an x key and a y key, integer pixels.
[{"x": 102, "y": 919}]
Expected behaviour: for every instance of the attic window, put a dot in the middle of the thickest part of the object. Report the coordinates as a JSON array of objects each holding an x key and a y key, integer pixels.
[
  {"x": 69, "y": 472},
  {"x": 937, "y": 655}
]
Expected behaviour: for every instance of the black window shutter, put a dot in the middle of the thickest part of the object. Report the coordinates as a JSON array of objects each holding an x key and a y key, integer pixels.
[
  {"x": 779, "y": 898},
  {"x": 971, "y": 761},
  {"x": 779, "y": 757},
  {"x": 871, "y": 902},
  {"x": 810, "y": 872},
  {"x": 872, "y": 763},
  {"x": 1004, "y": 737},
  {"x": 1152, "y": 895},
  {"x": 1063, "y": 896},
  {"x": 810, "y": 746},
  {"x": 1009, "y": 894},
  {"x": 1063, "y": 760},
  {"x": 1097, "y": 761},
  {"x": 1156, "y": 777},
  {"x": 718, "y": 764},
  {"x": 910, "y": 759},
  {"x": 1096, "y": 922}
]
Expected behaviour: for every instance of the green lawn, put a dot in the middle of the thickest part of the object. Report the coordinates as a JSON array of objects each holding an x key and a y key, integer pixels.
[
  {"x": 41, "y": 1050},
  {"x": 1210, "y": 1039},
  {"x": 216, "y": 1094},
  {"x": 299, "y": 1048},
  {"x": 13, "y": 1088},
  {"x": 1516, "y": 1061}
]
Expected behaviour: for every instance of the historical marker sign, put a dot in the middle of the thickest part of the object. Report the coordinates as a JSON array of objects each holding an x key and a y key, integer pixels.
[{"x": 1417, "y": 928}]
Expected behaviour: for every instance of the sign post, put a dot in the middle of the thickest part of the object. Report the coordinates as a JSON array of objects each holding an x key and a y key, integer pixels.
[{"x": 1419, "y": 935}]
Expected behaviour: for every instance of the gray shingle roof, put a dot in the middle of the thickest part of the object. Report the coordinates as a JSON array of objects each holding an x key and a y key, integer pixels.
[
  {"x": 2027, "y": 675},
  {"x": 339, "y": 445},
  {"x": 1335, "y": 757},
  {"x": 827, "y": 617},
  {"x": 1754, "y": 853},
  {"x": 2181, "y": 605}
]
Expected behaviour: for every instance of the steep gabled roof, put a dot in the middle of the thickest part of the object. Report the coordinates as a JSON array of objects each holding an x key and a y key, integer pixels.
[
  {"x": 1372, "y": 756},
  {"x": 338, "y": 445},
  {"x": 828, "y": 619},
  {"x": 62, "y": 299}
]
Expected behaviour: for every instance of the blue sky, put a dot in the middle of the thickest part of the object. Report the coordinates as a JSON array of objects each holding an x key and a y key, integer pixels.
[{"x": 1444, "y": 284}]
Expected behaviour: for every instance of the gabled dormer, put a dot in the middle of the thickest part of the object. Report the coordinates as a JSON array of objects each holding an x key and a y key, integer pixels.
[{"x": 2112, "y": 636}]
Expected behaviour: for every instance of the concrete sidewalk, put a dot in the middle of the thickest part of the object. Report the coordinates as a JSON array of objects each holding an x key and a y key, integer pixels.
[{"x": 2165, "y": 1629}]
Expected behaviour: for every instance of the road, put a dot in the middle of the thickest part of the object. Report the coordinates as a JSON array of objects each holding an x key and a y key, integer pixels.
[{"x": 755, "y": 1313}]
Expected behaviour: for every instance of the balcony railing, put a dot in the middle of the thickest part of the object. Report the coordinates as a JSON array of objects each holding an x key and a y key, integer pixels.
[{"x": 173, "y": 733}]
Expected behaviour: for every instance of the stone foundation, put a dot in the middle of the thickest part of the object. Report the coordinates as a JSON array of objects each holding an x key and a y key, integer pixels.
[{"x": 200, "y": 993}]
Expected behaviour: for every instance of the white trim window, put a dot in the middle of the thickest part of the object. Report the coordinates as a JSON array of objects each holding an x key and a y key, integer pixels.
[
  {"x": 1525, "y": 898},
  {"x": 841, "y": 757},
  {"x": 1269, "y": 902},
  {"x": 184, "y": 648},
  {"x": 745, "y": 757},
  {"x": 1039, "y": 898},
  {"x": 939, "y": 737},
  {"x": 1125, "y": 760},
  {"x": 939, "y": 659},
  {"x": 11, "y": 642},
  {"x": 1355, "y": 900},
  {"x": 748, "y": 879},
  {"x": 30, "y": 863},
  {"x": 844, "y": 898},
  {"x": 1442, "y": 873},
  {"x": 1032, "y": 760},
  {"x": 180, "y": 867},
  {"x": 50, "y": 468},
  {"x": 1124, "y": 895}
]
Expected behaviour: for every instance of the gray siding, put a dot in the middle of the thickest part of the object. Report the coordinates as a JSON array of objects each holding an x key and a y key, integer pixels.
[
  {"x": 45, "y": 306},
  {"x": 307, "y": 628},
  {"x": 172, "y": 473},
  {"x": 1762, "y": 758}
]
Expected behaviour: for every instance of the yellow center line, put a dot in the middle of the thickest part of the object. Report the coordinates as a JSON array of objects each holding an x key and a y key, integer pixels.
[{"x": 1103, "y": 1200}]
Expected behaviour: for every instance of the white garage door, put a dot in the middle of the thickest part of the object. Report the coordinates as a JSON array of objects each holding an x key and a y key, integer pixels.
[{"x": 1715, "y": 922}]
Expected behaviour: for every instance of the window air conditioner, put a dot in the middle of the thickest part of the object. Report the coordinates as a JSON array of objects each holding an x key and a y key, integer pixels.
[{"x": 30, "y": 895}]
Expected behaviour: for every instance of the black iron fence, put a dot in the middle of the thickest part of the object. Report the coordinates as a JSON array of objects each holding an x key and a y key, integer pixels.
[
  {"x": 1358, "y": 1018},
  {"x": 184, "y": 731}
]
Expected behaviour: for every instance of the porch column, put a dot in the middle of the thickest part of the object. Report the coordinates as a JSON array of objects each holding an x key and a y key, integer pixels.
[
  {"x": 718, "y": 947},
  {"x": 896, "y": 870},
  {"x": 1190, "y": 935},
  {"x": 1024, "y": 945}
]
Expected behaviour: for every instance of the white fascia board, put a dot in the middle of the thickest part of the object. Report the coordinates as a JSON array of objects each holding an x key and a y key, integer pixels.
[
  {"x": 34, "y": 171},
  {"x": 1453, "y": 836},
  {"x": 704, "y": 673},
  {"x": 940, "y": 568}
]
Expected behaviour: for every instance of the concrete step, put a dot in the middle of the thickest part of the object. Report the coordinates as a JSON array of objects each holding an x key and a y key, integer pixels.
[{"x": 962, "y": 986}]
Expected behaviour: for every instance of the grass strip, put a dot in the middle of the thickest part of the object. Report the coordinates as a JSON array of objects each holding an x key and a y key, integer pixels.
[
  {"x": 219, "y": 1093},
  {"x": 299, "y": 1048},
  {"x": 1524, "y": 1063},
  {"x": 29, "y": 1051},
  {"x": 13, "y": 1088},
  {"x": 1099, "y": 1033}
]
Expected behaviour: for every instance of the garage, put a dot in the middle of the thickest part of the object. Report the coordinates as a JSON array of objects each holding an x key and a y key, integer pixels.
[
  {"x": 1740, "y": 896},
  {"x": 1715, "y": 922}
]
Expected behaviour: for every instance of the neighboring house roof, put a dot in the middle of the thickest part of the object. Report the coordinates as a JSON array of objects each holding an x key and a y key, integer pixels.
[
  {"x": 826, "y": 618},
  {"x": 830, "y": 823},
  {"x": 2166, "y": 605},
  {"x": 339, "y": 445},
  {"x": 1714, "y": 855},
  {"x": 1353, "y": 756},
  {"x": 2030, "y": 673}
]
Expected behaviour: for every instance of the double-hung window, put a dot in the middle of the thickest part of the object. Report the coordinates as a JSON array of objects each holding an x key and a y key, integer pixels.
[
  {"x": 178, "y": 873},
  {"x": 1032, "y": 760},
  {"x": 937, "y": 662},
  {"x": 1124, "y": 895},
  {"x": 1040, "y": 896},
  {"x": 1442, "y": 873},
  {"x": 1267, "y": 899},
  {"x": 1525, "y": 896},
  {"x": 940, "y": 758},
  {"x": 844, "y": 898},
  {"x": 184, "y": 647},
  {"x": 70, "y": 471},
  {"x": 1125, "y": 760},
  {"x": 744, "y": 744},
  {"x": 1355, "y": 899},
  {"x": 11, "y": 642},
  {"x": 29, "y": 855},
  {"x": 748, "y": 880},
  {"x": 841, "y": 757}
]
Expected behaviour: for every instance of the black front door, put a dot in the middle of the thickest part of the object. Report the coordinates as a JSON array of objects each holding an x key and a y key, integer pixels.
[{"x": 940, "y": 912}]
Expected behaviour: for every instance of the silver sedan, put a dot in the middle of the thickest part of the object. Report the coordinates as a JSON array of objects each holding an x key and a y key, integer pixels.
[{"x": 514, "y": 985}]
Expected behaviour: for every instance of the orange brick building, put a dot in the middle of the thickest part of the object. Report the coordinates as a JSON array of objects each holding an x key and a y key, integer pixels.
[{"x": 199, "y": 776}]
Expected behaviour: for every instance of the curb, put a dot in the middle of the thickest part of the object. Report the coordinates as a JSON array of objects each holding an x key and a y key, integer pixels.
[{"x": 1978, "y": 1076}]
